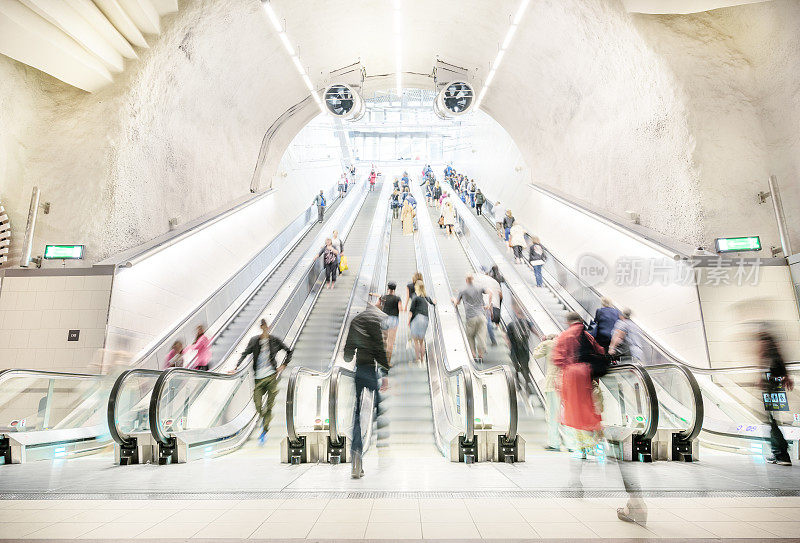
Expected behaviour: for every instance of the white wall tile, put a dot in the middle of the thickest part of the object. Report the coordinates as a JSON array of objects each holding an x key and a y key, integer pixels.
[
  {"x": 75, "y": 282},
  {"x": 82, "y": 300},
  {"x": 51, "y": 318},
  {"x": 63, "y": 299},
  {"x": 97, "y": 282},
  {"x": 43, "y": 300},
  {"x": 26, "y": 300},
  {"x": 69, "y": 319},
  {"x": 38, "y": 339},
  {"x": 55, "y": 284},
  {"x": 100, "y": 299},
  {"x": 19, "y": 339},
  {"x": 12, "y": 320}
]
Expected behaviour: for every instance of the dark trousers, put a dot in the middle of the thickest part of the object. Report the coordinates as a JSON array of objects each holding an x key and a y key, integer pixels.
[
  {"x": 517, "y": 251},
  {"x": 778, "y": 443},
  {"x": 603, "y": 341},
  {"x": 331, "y": 271},
  {"x": 366, "y": 378},
  {"x": 478, "y": 208}
]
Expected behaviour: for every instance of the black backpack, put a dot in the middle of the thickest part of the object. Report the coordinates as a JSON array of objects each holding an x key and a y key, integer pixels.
[{"x": 586, "y": 354}]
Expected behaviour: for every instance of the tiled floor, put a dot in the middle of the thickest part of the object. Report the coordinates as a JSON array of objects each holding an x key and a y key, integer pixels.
[{"x": 397, "y": 518}]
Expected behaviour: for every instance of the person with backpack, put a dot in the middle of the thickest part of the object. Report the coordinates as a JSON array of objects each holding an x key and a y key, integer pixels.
[
  {"x": 330, "y": 259},
  {"x": 319, "y": 200},
  {"x": 537, "y": 257},
  {"x": 264, "y": 349},
  {"x": 472, "y": 192},
  {"x": 394, "y": 202},
  {"x": 480, "y": 199},
  {"x": 625, "y": 341},
  {"x": 572, "y": 353}
]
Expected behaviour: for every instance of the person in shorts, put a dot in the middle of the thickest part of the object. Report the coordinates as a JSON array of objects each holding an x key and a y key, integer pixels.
[{"x": 391, "y": 304}]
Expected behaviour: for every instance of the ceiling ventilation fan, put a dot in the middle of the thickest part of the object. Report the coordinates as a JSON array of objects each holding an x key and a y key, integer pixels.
[
  {"x": 456, "y": 98},
  {"x": 343, "y": 102}
]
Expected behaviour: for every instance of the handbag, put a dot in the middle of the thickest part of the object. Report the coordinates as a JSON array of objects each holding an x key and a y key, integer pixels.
[{"x": 343, "y": 264}]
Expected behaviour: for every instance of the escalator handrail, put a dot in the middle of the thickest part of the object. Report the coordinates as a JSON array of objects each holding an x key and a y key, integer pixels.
[
  {"x": 13, "y": 373},
  {"x": 794, "y": 365},
  {"x": 650, "y": 394},
  {"x": 161, "y": 385},
  {"x": 111, "y": 411},
  {"x": 699, "y": 411}
]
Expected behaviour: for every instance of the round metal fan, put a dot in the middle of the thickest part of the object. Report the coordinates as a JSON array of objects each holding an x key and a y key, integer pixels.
[
  {"x": 342, "y": 101},
  {"x": 456, "y": 98}
]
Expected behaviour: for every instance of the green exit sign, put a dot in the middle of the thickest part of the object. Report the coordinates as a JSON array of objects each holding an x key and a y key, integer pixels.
[
  {"x": 732, "y": 245},
  {"x": 63, "y": 252}
]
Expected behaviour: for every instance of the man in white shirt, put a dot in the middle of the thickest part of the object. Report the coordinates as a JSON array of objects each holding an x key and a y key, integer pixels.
[
  {"x": 493, "y": 314},
  {"x": 499, "y": 213}
]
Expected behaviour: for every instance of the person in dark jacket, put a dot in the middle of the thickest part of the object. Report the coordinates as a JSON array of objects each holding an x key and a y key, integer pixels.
[
  {"x": 264, "y": 349},
  {"x": 604, "y": 320},
  {"x": 775, "y": 384},
  {"x": 365, "y": 342}
]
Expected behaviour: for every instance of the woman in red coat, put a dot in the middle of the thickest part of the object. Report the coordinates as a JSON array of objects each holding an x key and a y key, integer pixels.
[{"x": 577, "y": 389}]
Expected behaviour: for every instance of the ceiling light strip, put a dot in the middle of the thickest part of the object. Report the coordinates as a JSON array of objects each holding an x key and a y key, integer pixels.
[
  {"x": 287, "y": 44},
  {"x": 398, "y": 46},
  {"x": 509, "y": 37}
]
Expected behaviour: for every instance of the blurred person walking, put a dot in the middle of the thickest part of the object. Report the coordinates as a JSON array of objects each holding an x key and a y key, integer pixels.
[
  {"x": 517, "y": 241},
  {"x": 486, "y": 281},
  {"x": 174, "y": 356},
  {"x": 625, "y": 341},
  {"x": 418, "y": 318},
  {"x": 474, "y": 315},
  {"x": 775, "y": 383},
  {"x": 537, "y": 257},
  {"x": 411, "y": 289},
  {"x": 365, "y": 342},
  {"x": 605, "y": 318},
  {"x": 499, "y": 213},
  {"x": 391, "y": 304},
  {"x": 330, "y": 260},
  {"x": 264, "y": 349},
  {"x": 518, "y": 333},
  {"x": 319, "y": 200},
  {"x": 552, "y": 377},
  {"x": 202, "y": 349},
  {"x": 449, "y": 216},
  {"x": 407, "y": 216},
  {"x": 508, "y": 222}
]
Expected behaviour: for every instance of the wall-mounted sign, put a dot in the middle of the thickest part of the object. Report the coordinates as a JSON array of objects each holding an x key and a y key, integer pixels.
[
  {"x": 63, "y": 252},
  {"x": 733, "y": 245},
  {"x": 73, "y": 335}
]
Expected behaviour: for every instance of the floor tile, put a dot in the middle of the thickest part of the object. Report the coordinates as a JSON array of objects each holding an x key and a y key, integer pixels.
[
  {"x": 778, "y": 501},
  {"x": 47, "y": 515},
  {"x": 26, "y": 504},
  {"x": 780, "y": 529},
  {"x": 244, "y": 515},
  {"x": 547, "y": 515},
  {"x": 388, "y": 530},
  {"x": 338, "y": 530},
  {"x": 63, "y": 530},
  {"x": 433, "y": 503},
  {"x": 506, "y": 530},
  {"x": 344, "y": 515},
  {"x": 617, "y": 529},
  {"x": 213, "y": 505},
  {"x": 305, "y": 503},
  {"x": 496, "y": 515},
  {"x": 228, "y": 530},
  {"x": 677, "y": 530},
  {"x": 396, "y": 516},
  {"x": 488, "y": 503},
  {"x": 151, "y": 515},
  {"x": 733, "y": 529},
  {"x": 101, "y": 515},
  {"x": 170, "y": 530},
  {"x": 189, "y": 516},
  {"x": 282, "y": 530},
  {"x": 118, "y": 530},
  {"x": 565, "y": 530},
  {"x": 15, "y": 530},
  {"x": 702, "y": 514},
  {"x": 748, "y": 514},
  {"x": 451, "y": 515},
  {"x": 344, "y": 503},
  {"x": 262, "y": 505},
  {"x": 304, "y": 516},
  {"x": 449, "y": 530},
  {"x": 395, "y": 504}
]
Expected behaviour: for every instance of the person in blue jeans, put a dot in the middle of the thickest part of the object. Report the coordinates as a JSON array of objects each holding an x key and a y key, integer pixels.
[
  {"x": 365, "y": 342},
  {"x": 537, "y": 257},
  {"x": 508, "y": 222}
]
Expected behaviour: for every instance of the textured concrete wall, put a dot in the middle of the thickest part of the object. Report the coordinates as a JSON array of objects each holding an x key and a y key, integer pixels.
[{"x": 176, "y": 135}]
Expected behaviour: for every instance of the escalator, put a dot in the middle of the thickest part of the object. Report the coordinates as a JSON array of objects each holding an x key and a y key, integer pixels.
[
  {"x": 215, "y": 410},
  {"x": 129, "y": 402},
  {"x": 631, "y": 409},
  {"x": 680, "y": 407}
]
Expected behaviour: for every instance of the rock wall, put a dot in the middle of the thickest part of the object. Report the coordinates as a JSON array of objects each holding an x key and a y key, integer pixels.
[{"x": 176, "y": 135}]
